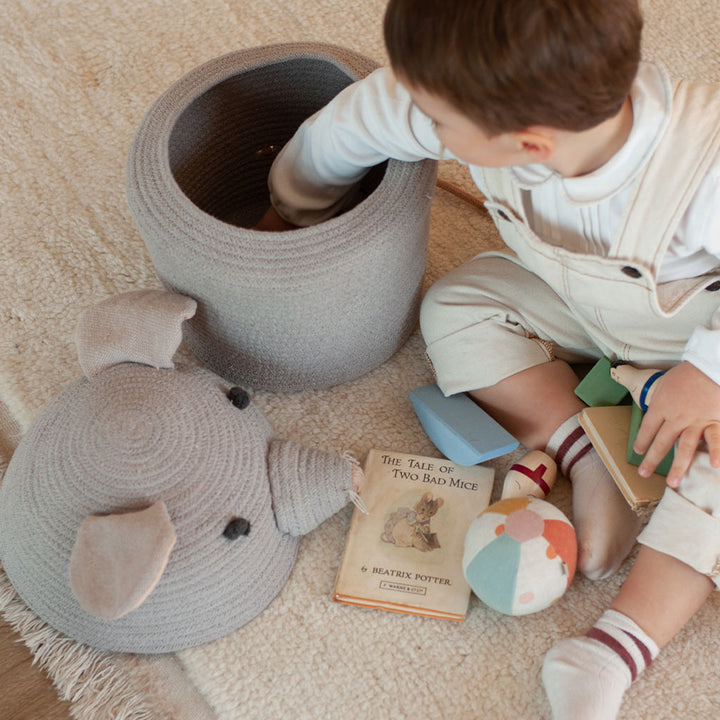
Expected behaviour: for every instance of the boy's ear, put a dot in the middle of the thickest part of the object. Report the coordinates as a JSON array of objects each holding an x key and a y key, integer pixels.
[{"x": 538, "y": 143}]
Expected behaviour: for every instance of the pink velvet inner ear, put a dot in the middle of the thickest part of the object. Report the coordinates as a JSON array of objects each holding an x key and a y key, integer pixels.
[{"x": 118, "y": 559}]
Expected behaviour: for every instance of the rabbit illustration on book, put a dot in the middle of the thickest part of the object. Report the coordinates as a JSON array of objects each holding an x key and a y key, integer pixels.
[{"x": 410, "y": 527}]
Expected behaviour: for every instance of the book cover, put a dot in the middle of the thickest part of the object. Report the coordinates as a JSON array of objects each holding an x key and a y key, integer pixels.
[
  {"x": 608, "y": 429},
  {"x": 406, "y": 554}
]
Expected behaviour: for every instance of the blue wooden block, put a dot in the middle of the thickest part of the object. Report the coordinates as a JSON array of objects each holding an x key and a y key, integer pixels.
[{"x": 461, "y": 430}]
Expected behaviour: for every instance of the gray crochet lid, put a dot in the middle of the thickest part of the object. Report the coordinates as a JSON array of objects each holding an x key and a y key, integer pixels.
[
  {"x": 124, "y": 439},
  {"x": 309, "y": 308}
]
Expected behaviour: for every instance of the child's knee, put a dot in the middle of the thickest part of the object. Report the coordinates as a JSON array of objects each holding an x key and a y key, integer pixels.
[
  {"x": 452, "y": 307},
  {"x": 437, "y": 310},
  {"x": 430, "y": 309}
]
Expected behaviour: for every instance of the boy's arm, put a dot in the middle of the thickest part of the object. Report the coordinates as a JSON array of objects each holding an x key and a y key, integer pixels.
[
  {"x": 370, "y": 121},
  {"x": 272, "y": 222},
  {"x": 686, "y": 405}
]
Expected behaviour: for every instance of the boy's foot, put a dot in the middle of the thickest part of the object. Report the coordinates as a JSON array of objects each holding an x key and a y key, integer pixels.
[
  {"x": 605, "y": 524},
  {"x": 582, "y": 682},
  {"x": 585, "y": 678}
]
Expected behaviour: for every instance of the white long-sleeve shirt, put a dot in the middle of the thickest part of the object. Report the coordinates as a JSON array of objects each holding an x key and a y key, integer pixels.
[{"x": 375, "y": 119}]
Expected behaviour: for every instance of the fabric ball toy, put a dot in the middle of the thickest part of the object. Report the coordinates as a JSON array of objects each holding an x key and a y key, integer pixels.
[
  {"x": 520, "y": 555},
  {"x": 150, "y": 507}
]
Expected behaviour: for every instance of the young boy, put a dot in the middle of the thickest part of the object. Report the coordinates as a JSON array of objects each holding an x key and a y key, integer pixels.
[{"x": 603, "y": 178}]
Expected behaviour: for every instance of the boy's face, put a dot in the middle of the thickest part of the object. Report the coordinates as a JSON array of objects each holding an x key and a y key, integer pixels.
[{"x": 466, "y": 139}]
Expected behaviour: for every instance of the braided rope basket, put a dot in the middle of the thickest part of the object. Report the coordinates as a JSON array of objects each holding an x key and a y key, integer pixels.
[{"x": 303, "y": 309}]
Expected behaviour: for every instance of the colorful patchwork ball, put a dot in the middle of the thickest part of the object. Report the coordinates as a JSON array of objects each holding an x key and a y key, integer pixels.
[{"x": 520, "y": 555}]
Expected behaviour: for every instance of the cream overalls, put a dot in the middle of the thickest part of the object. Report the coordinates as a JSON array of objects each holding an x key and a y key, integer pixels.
[{"x": 494, "y": 316}]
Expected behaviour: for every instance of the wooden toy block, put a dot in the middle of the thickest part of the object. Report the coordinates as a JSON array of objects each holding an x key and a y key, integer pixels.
[
  {"x": 461, "y": 430},
  {"x": 632, "y": 457},
  {"x": 598, "y": 389}
]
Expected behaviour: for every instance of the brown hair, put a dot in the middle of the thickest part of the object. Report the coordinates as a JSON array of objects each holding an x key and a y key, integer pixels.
[{"x": 512, "y": 64}]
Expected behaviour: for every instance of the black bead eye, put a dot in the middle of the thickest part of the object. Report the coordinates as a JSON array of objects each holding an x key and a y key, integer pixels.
[
  {"x": 238, "y": 397},
  {"x": 236, "y": 528}
]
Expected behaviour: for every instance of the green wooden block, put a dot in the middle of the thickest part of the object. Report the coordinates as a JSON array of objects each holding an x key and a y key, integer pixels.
[
  {"x": 597, "y": 388},
  {"x": 632, "y": 457}
]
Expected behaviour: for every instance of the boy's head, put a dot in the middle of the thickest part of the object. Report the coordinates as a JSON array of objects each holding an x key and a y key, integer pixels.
[{"x": 512, "y": 64}]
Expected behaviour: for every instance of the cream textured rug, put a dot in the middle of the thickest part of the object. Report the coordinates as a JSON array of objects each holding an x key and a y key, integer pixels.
[{"x": 76, "y": 78}]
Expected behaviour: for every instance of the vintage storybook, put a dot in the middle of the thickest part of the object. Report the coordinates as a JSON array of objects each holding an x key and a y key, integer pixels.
[
  {"x": 406, "y": 554},
  {"x": 608, "y": 429}
]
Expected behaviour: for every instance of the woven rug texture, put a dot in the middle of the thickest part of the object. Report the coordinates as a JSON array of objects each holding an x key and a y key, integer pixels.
[{"x": 76, "y": 79}]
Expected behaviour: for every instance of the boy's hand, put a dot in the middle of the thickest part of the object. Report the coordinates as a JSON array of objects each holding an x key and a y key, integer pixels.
[
  {"x": 272, "y": 222},
  {"x": 684, "y": 407}
]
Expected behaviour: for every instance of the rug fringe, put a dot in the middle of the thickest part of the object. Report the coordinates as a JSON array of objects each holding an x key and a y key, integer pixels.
[{"x": 89, "y": 679}]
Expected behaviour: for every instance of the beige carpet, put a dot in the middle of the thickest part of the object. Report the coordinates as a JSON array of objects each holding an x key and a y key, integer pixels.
[{"x": 75, "y": 79}]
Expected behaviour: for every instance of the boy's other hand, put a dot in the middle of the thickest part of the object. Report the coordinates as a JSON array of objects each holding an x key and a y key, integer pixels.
[
  {"x": 685, "y": 408},
  {"x": 272, "y": 222}
]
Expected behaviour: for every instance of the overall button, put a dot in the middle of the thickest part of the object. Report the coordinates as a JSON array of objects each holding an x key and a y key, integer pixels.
[
  {"x": 714, "y": 286},
  {"x": 632, "y": 272}
]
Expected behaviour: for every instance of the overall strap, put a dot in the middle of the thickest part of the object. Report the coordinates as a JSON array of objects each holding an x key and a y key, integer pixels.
[
  {"x": 499, "y": 187},
  {"x": 670, "y": 180}
]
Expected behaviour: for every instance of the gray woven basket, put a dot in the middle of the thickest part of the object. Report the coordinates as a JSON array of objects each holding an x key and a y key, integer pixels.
[{"x": 305, "y": 309}]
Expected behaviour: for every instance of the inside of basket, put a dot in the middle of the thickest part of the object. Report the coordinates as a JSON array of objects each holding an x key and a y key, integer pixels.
[{"x": 223, "y": 144}]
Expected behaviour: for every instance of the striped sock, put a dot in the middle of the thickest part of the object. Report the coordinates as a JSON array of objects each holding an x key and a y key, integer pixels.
[
  {"x": 586, "y": 677},
  {"x": 568, "y": 445},
  {"x": 625, "y": 638}
]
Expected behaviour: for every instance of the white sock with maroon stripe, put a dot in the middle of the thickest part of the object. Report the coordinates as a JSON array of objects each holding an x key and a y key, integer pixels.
[
  {"x": 586, "y": 677},
  {"x": 568, "y": 445},
  {"x": 604, "y": 522}
]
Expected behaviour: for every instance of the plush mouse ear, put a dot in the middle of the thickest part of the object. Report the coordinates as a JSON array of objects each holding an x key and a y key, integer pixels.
[
  {"x": 142, "y": 326},
  {"x": 117, "y": 560}
]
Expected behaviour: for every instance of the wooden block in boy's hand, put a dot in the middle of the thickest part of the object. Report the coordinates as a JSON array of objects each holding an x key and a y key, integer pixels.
[
  {"x": 461, "y": 430},
  {"x": 663, "y": 467},
  {"x": 608, "y": 429},
  {"x": 599, "y": 388}
]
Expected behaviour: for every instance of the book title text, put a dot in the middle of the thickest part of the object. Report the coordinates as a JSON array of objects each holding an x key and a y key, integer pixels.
[{"x": 427, "y": 472}]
